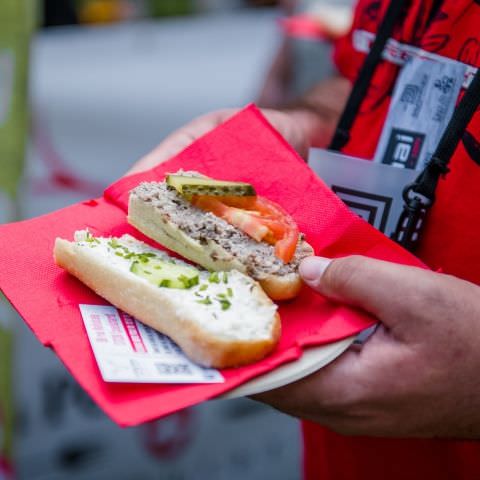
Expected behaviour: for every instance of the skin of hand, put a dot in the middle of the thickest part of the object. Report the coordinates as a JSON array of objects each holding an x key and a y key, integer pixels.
[
  {"x": 308, "y": 122},
  {"x": 417, "y": 375}
]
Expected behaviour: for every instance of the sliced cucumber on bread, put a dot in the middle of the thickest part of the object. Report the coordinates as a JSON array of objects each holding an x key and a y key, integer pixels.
[{"x": 219, "y": 319}]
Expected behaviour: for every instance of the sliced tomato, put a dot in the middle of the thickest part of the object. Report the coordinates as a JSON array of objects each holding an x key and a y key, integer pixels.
[
  {"x": 248, "y": 223},
  {"x": 210, "y": 204},
  {"x": 288, "y": 235},
  {"x": 285, "y": 248},
  {"x": 246, "y": 203},
  {"x": 237, "y": 217},
  {"x": 261, "y": 219}
]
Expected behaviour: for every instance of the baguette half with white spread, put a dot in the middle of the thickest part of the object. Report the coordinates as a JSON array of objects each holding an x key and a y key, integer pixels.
[
  {"x": 220, "y": 319},
  {"x": 161, "y": 213}
]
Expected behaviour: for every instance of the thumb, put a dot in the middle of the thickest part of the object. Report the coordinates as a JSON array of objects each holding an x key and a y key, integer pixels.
[{"x": 386, "y": 290}]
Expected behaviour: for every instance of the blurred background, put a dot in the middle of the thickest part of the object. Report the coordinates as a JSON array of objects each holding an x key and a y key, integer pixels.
[{"x": 86, "y": 88}]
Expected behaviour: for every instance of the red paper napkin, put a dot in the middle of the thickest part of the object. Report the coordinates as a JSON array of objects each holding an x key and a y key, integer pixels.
[{"x": 244, "y": 148}]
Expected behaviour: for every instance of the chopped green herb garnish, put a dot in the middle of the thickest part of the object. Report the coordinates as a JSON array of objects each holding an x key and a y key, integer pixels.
[
  {"x": 224, "y": 303},
  {"x": 157, "y": 267},
  {"x": 164, "y": 283},
  {"x": 147, "y": 272},
  {"x": 205, "y": 301},
  {"x": 214, "y": 278},
  {"x": 133, "y": 266},
  {"x": 229, "y": 292},
  {"x": 119, "y": 254},
  {"x": 113, "y": 243},
  {"x": 90, "y": 238},
  {"x": 187, "y": 281},
  {"x": 225, "y": 277},
  {"x": 203, "y": 287},
  {"x": 221, "y": 296}
]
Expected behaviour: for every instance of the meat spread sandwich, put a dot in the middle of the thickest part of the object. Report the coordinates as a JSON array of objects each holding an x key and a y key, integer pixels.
[
  {"x": 219, "y": 319},
  {"x": 222, "y": 226}
]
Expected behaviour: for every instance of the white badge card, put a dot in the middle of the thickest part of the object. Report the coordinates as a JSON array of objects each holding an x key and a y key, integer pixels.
[
  {"x": 371, "y": 190},
  {"x": 423, "y": 103},
  {"x": 128, "y": 351}
]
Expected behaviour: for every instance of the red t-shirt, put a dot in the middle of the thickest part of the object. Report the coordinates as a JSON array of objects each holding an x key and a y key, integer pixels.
[{"x": 451, "y": 241}]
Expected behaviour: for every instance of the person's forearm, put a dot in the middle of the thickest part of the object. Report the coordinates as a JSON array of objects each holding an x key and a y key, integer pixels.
[
  {"x": 289, "y": 6},
  {"x": 310, "y": 121},
  {"x": 318, "y": 111}
]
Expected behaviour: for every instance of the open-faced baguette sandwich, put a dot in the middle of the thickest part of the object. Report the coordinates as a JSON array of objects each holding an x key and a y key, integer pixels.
[
  {"x": 222, "y": 226},
  {"x": 219, "y": 319}
]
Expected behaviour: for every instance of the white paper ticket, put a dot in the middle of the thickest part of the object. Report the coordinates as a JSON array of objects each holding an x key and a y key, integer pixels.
[{"x": 128, "y": 351}]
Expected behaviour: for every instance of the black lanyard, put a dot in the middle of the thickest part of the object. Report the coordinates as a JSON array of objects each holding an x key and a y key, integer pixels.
[
  {"x": 420, "y": 195},
  {"x": 366, "y": 73}
]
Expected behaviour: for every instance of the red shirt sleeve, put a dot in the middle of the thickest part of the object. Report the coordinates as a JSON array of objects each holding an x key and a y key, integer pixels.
[
  {"x": 346, "y": 60},
  {"x": 367, "y": 16}
]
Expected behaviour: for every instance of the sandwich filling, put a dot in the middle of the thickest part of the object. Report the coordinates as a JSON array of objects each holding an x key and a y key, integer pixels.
[{"x": 259, "y": 257}]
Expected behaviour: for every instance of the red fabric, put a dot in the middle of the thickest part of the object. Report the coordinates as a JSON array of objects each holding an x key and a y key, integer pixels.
[
  {"x": 451, "y": 241},
  {"x": 244, "y": 148}
]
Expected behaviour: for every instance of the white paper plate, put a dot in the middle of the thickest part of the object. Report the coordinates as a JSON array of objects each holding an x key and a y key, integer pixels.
[{"x": 313, "y": 359}]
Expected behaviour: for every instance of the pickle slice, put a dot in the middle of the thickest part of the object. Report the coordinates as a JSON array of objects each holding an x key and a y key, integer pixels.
[{"x": 206, "y": 186}]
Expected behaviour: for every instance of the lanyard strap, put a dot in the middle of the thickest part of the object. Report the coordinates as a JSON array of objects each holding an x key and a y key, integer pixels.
[
  {"x": 419, "y": 196},
  {"x": 360, "y": 89}
]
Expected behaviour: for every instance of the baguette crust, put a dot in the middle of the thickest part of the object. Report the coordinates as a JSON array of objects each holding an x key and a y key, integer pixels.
[
  {"x": 145, "y": 217},
  {"x": 155, "y": 308}
]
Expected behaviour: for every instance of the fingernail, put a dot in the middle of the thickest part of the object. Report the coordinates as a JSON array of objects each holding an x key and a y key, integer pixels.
[{"x": 312, "y": 268}]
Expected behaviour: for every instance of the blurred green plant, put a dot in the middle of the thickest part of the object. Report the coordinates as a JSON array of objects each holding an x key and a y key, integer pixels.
[
  {"x": 19, "y": 14},
  {"x": 18, "y": 19},
  {"x": 162, "y": 8},
  {"x": 17, "y": 22},
  {"x": 6, "y": 402}
]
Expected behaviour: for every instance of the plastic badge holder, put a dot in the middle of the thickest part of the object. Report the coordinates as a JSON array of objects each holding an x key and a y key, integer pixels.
[{"x": 244, "y": 148}]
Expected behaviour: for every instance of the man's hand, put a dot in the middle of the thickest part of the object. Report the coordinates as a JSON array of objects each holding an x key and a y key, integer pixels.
[
  {"x": 294, "y": 126},
  {"x": 310, "y": 122},
  {"x": 417, "y": 376}
]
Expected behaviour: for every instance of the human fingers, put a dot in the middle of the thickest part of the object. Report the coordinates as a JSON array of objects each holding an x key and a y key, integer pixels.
[
  {"x": 337, "y": 387},
  {"x": 421, "y": 382},
  {"x": 396, "y": 294}
]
